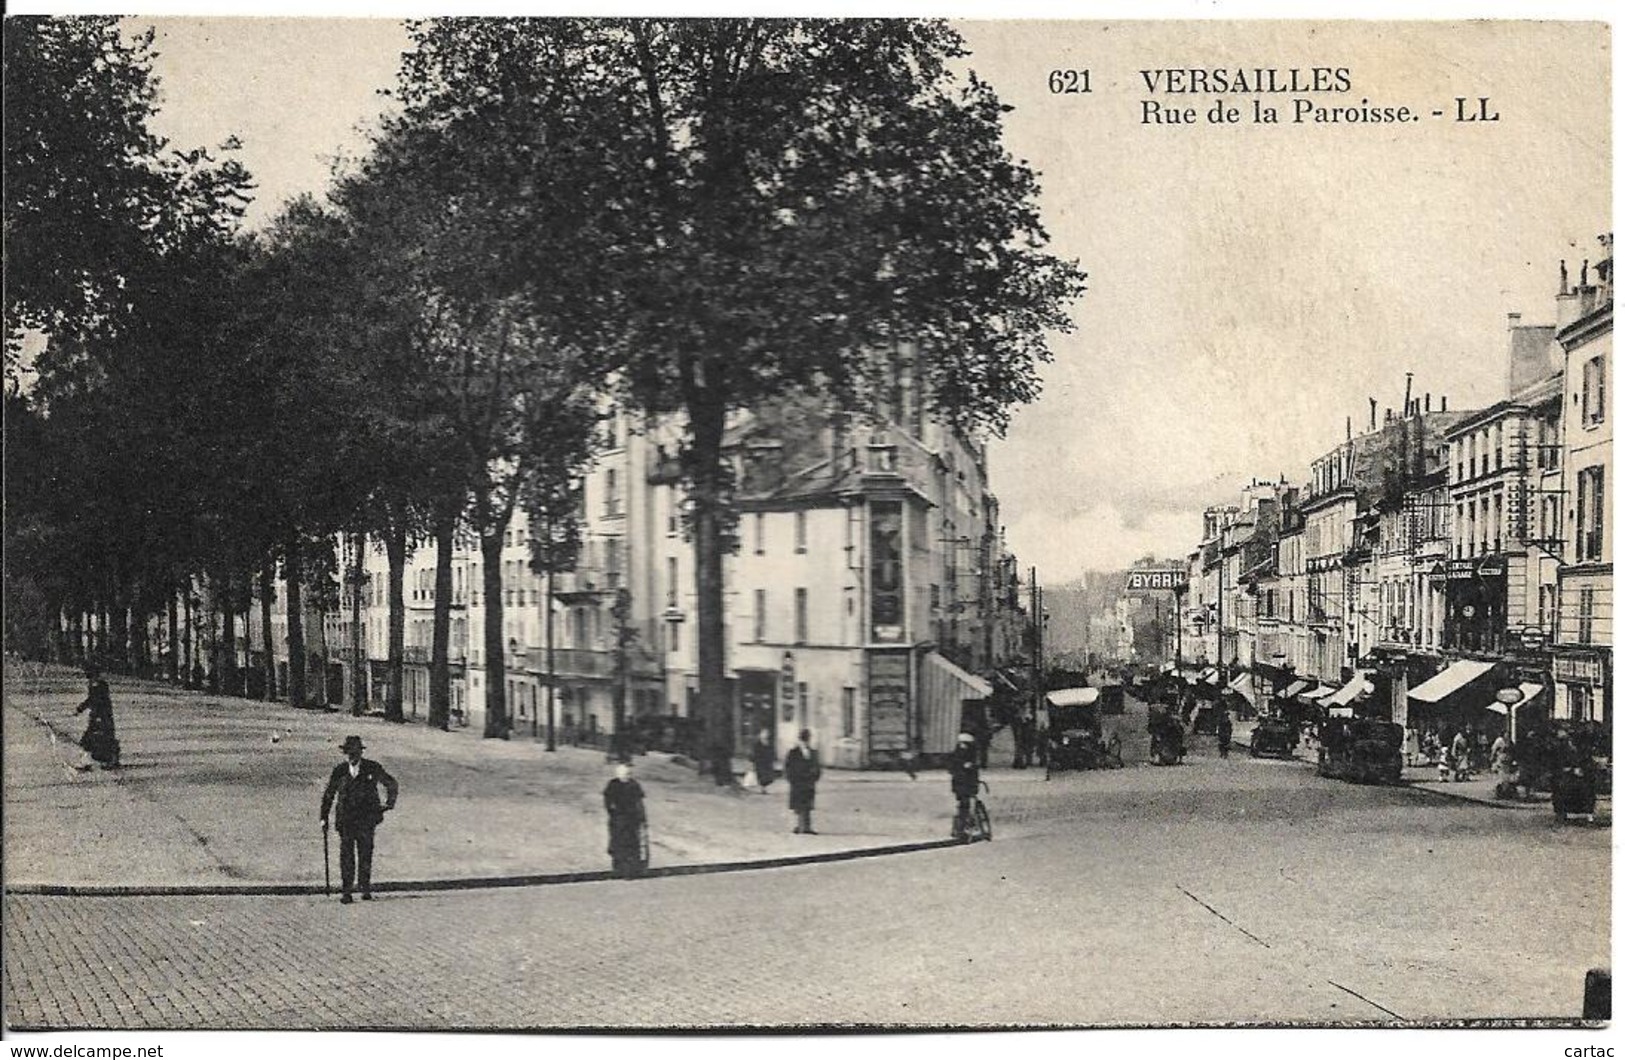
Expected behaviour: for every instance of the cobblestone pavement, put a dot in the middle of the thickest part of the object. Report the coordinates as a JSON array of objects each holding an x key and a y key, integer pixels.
[{"x": 1240, "y": 890}]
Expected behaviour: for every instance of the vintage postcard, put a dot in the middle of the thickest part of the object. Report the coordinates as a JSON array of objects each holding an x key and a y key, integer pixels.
[{"x": 541, "y": 525}]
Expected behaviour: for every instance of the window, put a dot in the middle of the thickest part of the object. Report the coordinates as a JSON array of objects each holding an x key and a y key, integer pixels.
[
  {"x": 1499, "y": 441},
  {"x": 849, "y": 712},
  {"x": 1495, "y": 524},
  {"x": 801, "y": 531},
  {"x": 802, "y": 700},
  {"x": 1545, "y": 614},
  {"x": 674, "y": 636},
  {"x": 1594, "y": 400},
  {"x": 761, "y": 533},
  {"x": 759, "y": 621},
  {"x": 1579, "y": 703},
  {"x": 1589, "y": 515},
  {"x": 612, "y": 493},
  {"x": 801, "y": 616},
  {"x": 1588, "y": 614},
  {"x": 671, "y": 581},
  {"x": 1457, "y": 447}
]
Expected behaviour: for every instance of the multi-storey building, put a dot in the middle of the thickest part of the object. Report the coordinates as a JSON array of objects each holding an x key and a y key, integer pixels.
[{"x": 1583, "y": 652}]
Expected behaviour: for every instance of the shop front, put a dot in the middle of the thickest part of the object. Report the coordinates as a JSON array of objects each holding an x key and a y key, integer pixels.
[
  {"x": 1462, "y": 694},
  {"x": 1582, "y": 679}
]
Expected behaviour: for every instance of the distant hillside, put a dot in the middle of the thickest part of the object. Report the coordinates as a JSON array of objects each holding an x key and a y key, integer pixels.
[{"x": 1084, "y": 620}]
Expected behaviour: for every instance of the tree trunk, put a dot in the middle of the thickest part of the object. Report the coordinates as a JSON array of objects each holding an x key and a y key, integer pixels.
[
  {"x": 213, "y": 622},
  {"x": 395, "y": 546},
  {"x": 228, "y": 637},
  {"x": 706, "y": 425},
  {"x": 245, "y": 598},
  {"x": 358, "y": 646},
  {"x": 445, "y": 535},
  {"x": 186, "y": 639},
  {"x": 118, "y": 636},
  {"x": 174, "y": 638},
  {"x": 292, "y": 569},
  {"x": 267, "y": 597},
  {"x": 496, "y": 661}
]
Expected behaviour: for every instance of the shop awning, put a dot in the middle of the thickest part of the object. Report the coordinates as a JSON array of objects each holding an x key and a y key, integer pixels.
[
  {"x": 1316, "y": 693},
  {"x": 1212, "y": 677},
  {"x": 1243, "y": 687},
  {"x": 1348, "y": 693},
  {"x": 969, "y": 685},
  {"x": 1529, "y": 690},
  {"x": 1293, "y": 689},
  {"x": 1450, "y": 680},
  {"x": 1207, "y": 673}
]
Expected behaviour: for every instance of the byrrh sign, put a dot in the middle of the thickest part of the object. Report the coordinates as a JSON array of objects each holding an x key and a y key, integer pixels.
[{"x": 1148, "y": 580}]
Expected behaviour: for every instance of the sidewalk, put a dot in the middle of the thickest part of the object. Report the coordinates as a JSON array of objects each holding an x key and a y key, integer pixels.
[
  {"x": 223, "y": 791},
  {"x": 1480, "y": 788}
]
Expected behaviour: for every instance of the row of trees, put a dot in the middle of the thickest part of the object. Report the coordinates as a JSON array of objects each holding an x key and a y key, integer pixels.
[{"x": 686, "y": 218}]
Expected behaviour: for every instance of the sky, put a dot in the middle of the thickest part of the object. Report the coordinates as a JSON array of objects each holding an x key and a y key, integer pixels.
[{"x": 1250, "y": 285}]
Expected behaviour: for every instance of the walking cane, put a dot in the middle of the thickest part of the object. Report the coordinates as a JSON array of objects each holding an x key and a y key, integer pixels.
[{"x": 327, "y": 871}]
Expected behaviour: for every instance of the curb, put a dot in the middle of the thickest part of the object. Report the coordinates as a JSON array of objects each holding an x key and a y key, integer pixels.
[
  {"x": 1496, "y": 804},
  {"x": 475, "y": 883}
]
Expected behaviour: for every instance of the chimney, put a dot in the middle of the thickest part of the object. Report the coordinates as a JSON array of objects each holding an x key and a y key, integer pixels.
[
  {"x": 1348, "y": 425},
  {"x": 1387, "y": 416},
  {"x": 1427, "y": 402},
  {"x": 1373, "y": 412},
  {"x": 1562, "y": 278},
  {"x": 1442, "y": 406},
  {"x": 1408, "y": 393},
  {"x": 1512, "y": 319}
]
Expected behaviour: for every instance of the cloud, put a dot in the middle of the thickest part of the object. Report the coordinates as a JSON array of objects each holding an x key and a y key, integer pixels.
[{"x": 1063, "y": 545}]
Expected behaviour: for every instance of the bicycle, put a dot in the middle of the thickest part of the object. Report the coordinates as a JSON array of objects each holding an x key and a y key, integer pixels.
[{"x": 973, "y": 823}]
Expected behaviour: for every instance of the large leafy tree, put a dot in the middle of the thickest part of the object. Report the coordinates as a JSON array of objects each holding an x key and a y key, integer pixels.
[
  {"x": 476, "y": 269},
  {"x": 91, "y": 193},
  {"x": 117, "y": 251},
  {"x": 776, "y": 205}
]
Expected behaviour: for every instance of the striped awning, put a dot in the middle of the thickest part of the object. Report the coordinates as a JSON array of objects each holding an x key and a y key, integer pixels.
[
  {"x": 1243, "y": 687},
  {"x": 1316, "y": 693},
  {"x": 1450, "y": 680},
  {"x": 1293, "y": 689},
  {"x": 1348, "y": 693}
]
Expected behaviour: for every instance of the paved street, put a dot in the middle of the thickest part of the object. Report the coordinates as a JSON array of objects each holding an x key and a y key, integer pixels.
[{"x": 1216, "y": 891}]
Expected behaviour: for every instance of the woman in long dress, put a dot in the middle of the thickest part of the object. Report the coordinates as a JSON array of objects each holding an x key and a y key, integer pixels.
[
  {"x": 623, "y": 798},
  {"x": 100, "y": 739}
]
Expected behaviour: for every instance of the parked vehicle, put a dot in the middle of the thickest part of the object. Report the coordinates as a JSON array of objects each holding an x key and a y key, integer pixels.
[
  {"x": 1362, "y": 750},
  {"x": 1273, "y": 735},
  {"x": 1075, "y": 735},
  {"x": 1111, "y": 699}
]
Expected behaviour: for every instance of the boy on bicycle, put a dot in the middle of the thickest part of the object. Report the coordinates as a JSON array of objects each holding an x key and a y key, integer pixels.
[{"x": 965, "y": 774}]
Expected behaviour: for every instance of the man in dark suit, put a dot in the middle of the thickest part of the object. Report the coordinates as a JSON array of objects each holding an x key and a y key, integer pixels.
[
  {"x": 354, "y": 786},
  {"x": 802, "y": 770}
]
